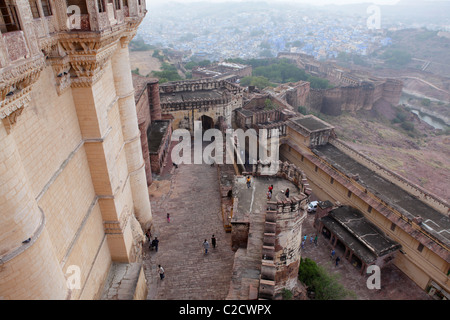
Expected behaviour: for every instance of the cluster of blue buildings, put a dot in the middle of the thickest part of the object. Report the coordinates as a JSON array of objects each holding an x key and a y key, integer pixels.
[{"x": 258, "y": 32}]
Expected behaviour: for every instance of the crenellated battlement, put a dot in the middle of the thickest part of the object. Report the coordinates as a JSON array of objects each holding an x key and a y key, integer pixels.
[
  {"x": 198, "y": 85},
  {"x": 287, "y": 171}
]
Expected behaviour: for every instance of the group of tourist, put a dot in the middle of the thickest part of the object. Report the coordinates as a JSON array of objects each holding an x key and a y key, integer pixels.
[
  {"x": 155, "y": 242},
  {"x": 270, "y": 192},
  {"x": 311, "y": 240},
  {"x": 206, "y": 244}
]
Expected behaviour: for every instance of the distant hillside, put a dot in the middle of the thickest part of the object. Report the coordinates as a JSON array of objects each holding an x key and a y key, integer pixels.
[
  {"x": 427, "y": 51},
  {"x": 422, "y": 44}
]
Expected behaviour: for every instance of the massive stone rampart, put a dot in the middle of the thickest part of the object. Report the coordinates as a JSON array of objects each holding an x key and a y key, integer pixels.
[
  {"x": 354, "y": 91},
  {"x": 354, "y": 98}
]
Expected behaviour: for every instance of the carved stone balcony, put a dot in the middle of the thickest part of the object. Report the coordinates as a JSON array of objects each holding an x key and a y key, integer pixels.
[{"x": 16, "y": 45}]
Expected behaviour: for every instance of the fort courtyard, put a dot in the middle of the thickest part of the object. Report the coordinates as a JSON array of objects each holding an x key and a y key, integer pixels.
[{"x": 191, "y": 194}]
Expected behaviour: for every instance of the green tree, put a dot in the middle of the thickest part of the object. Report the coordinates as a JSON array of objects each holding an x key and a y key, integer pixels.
[
  {"x": 265, "y": 45},
  {"x": 408, "y": 126},
  {"x": 396, "y": 57},
  {"x": 269, "y": 105},
  {"x": 308, "y": 271},
  {"x": 192, "y": 64},
  {"x": 297, "y": 43},
  {"x": 266, "y": 53},
  {"x": 324, "y": 285},
  {"x": 204, "y": 63},
  {"x": 286, "y": 294},
  {"x": 319, "y": 83},
  {"x": 259, "y": 82},
  {"x": 140, "y": 45},
  {"x": 158, "y": 55},
  {"x": 344, "y": 57},
  {"x": 168, "y": 73},
  {"x": 302, "y": 110},
  {"x": 327, "y": 287},
  {"x": 426, "y": 102}
]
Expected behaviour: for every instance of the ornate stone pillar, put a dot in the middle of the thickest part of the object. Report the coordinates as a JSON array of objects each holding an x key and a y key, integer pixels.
[
  {"x": 131, "y": 134},
  {"x": 29, "y": 269}
]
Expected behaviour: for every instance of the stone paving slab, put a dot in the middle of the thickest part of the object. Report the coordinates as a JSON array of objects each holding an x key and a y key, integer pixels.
[
  {"x": 193, "y": 202},
  {"x": 191, "y": 195}
]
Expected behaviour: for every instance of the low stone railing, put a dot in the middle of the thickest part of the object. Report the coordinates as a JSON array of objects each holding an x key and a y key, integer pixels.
[{"x": 430, "y": 199}]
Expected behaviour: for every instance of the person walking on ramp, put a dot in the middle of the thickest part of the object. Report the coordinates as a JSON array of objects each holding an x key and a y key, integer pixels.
[
  {"x": 213, "y": 241},
  {"x": 206, "y": 246},
  {"x": 161, "y": 272}
]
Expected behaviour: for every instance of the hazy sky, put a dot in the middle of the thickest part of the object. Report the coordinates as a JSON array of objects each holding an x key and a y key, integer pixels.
[{"x": 317, "y": 2}]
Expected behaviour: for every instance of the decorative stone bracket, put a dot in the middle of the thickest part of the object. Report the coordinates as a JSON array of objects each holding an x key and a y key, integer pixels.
[
  {"x": 61, "y": 68},
  {"x": 15, "y": 88},
  {"x": 86, "y": 55}
]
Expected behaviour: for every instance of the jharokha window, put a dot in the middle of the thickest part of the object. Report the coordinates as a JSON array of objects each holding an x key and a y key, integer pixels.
[
  {"x": 46, "y": 7},
  {"x": 101, "y": 6},
  {"x": 9, "y": 19},
  {"x": 34, "y": 9}
]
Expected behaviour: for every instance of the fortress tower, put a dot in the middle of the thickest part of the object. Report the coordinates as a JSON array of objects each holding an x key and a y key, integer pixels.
[
  {"x": 73, "y": 191},
  {"x": 267, "y": 234}
]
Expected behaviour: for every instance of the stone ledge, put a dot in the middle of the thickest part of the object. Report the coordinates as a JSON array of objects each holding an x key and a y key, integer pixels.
[{"x": 125, "y": 282}]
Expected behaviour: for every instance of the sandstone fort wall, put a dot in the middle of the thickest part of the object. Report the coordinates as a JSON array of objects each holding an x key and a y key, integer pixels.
[{"x": 74, "y": 190}]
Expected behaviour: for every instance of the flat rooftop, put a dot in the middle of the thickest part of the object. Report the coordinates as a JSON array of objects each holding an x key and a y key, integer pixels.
[
  {"x": 360, "y": 235},
  {"x": 191, "y": 96},
  {"x": 434, "y": 222},
  {"x": 232, "y": 65},
  {"x": 311, "y": 123},
  {"x": 254, "y": 199},
  {"x": 245, "y": 112}
]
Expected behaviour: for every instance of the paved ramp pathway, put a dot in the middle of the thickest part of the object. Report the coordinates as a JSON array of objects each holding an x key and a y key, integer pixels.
[{"x": 193, "y": 201}]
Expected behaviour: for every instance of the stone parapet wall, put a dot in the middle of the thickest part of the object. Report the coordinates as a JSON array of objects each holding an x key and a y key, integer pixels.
[
  {"x": 431, "y": 263},
  {"x": 286, "y": 171},
  {"x": 422, "y": 194},
  {"x": 197, "y": 85}
]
